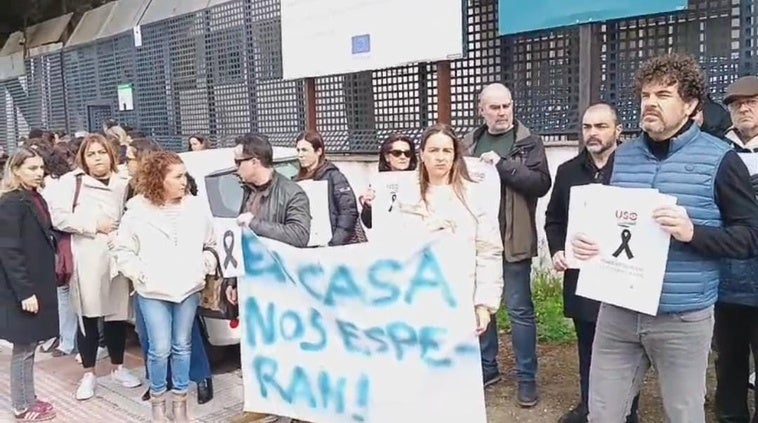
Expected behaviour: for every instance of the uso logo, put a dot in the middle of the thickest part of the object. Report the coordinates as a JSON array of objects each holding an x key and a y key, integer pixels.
[{"x": 626, "y": 218}]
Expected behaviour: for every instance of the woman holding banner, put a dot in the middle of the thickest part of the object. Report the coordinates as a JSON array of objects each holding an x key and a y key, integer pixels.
[
  {"x": 396, "y": 154},
  {"x": 451, "y": 202}
]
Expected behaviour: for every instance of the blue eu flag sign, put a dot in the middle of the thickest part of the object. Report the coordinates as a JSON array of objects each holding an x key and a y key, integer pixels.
[
  {"x": 517, "y": 16},
  {"x": 361, "y": 44}
]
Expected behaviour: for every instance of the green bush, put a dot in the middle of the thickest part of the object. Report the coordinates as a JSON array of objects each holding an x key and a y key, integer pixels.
[{"x": 547, "y": 294}]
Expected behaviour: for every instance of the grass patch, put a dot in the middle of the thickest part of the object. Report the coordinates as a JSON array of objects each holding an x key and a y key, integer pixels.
[{"x": 547, "y": 295}]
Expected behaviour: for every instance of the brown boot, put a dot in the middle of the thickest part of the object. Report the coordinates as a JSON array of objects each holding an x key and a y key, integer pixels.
[
  {"x": 180, "y": 408},
  {"x": 158, "y": 405}
]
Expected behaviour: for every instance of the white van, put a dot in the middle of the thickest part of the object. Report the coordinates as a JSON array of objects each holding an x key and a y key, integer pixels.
[{"x": 219, "y": 186}]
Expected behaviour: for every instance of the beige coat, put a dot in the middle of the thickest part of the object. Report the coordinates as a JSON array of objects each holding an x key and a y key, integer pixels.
[
  {"x": 97, "y": 290},
  {"x": 474, "y": 238}
]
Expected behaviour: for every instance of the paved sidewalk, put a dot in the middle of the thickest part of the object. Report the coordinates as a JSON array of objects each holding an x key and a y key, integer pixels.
[{"x": 56, "y": 380}]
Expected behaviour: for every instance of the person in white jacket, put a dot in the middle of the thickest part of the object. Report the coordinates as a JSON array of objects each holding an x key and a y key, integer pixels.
[
  {"x": 162, "y": 246},
  {"x": 451, "y": 202}
]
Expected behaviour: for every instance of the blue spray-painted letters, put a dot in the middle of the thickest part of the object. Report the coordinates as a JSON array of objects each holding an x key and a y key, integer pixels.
[
  {"x": 314, "y": 389},
  {"x": 400, "y": 339},
  {"x": 272, "y": 325}
]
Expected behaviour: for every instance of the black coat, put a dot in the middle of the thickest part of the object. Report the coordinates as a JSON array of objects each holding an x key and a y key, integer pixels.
[
  {"x": 27, "y": 267},
  {"x": 343, "y": 208},
  {"x": 580, "y": 170}
]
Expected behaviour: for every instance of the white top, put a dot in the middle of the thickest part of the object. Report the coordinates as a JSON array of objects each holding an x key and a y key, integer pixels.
[{"x": 160, "y": 248}]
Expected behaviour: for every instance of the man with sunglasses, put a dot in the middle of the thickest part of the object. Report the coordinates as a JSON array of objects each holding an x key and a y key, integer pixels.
[
  {"x": 273, "y": 207},
  {"x": 520, "y": 160}
]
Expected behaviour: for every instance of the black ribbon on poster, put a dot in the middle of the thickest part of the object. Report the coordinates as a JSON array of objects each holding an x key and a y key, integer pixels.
[
  {"x": 229, "y": 250},
  {"x": 626, "y": 236},
  {"x": 392, "y": 204}
]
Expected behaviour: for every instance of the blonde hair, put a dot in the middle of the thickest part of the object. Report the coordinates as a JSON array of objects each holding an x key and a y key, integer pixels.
[
  {"x": 119, "y": 134},
  {"x": 11, "y": 181}
]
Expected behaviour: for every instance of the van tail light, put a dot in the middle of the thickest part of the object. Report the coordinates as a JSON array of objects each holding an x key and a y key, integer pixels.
[{"x": 234, "y": 323}]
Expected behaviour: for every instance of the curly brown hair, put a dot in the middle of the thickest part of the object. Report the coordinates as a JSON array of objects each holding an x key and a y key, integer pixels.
[
  {"x": 670, "y": 69},
  {"x": 152, "y": 173}
]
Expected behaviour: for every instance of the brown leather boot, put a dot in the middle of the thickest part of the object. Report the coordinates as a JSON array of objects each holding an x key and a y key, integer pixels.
[
  {"x": 180, "y": 408},
  {"x": 158, "y": 405}
]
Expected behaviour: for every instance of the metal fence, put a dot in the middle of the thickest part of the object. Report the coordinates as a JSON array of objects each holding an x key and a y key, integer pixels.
[{"x": 218, "y": 71}]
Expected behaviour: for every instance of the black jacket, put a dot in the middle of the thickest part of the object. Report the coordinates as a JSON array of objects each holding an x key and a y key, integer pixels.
[
  {"x": 580, "y": 170},
  {"x": 524, "y": 178},
  {"x": 27, "y": 267},
  {"x": 284, "y": 214},
  {"x": 343, "y": 209}
]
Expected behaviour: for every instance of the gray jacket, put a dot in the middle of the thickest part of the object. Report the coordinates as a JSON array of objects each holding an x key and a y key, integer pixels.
[{"x": 284, "y": 212}]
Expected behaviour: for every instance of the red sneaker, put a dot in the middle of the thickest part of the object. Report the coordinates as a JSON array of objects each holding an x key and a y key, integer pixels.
[
  {"x": 35, "y": 415},
  {"x": 43, "y": 406}
]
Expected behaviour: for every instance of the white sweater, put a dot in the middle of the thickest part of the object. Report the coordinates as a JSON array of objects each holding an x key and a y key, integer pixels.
[{"x": 161, "y": 248}]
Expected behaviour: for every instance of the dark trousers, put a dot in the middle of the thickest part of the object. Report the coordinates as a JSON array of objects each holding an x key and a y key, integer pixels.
[
  {"x": 585, "y": 334},
  {"x": 736, "y": 332},
  {"x": 115, "y": 340}
]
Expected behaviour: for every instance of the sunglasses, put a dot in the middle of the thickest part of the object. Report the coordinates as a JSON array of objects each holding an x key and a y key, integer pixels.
[
  {"x": 398, "y": 153},
  {"x": 238, "y": 162}
]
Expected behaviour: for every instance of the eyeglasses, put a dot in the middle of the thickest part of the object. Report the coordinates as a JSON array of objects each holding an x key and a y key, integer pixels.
[
  {"x": 398, "y": 153},
  {"x": 238, "y": 162}
]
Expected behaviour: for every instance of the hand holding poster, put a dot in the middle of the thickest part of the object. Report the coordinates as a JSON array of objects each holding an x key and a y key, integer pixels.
[
  {"x": 629, "y": 270},
  {"x": 318, "y": 197},
  {"x": 392, "y": 187},
  {"x": 363, "y": 334}
]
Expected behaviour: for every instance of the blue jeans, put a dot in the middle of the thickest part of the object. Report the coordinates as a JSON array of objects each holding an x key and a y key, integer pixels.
[
  {"x": 169, "y": 329},
  {"x": 518, "y": 301},
  {"x": 200, "y": 366},
  {"x": 67, "y": 321}
]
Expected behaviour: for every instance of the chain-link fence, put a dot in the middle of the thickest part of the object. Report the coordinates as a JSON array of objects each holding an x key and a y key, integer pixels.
[{"x": 218, "y": 71}]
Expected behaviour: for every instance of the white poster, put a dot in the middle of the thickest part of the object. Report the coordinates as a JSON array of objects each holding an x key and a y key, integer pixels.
[
  {"x": 751, "y": 162},
  {"x": 488, "y": 181},
  {"x": 125, "y": 97},
  {"x": 229, "y": 247},
  {"x": 321, "y": 225},
  {"x": 373, "y": 332},
  {"x": 629, "y": 270},
  {"x": 389, "y": 188},
  {"x": 357, "y": 35}
]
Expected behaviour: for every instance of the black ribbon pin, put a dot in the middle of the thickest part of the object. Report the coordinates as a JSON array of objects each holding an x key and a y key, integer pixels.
[
  {"x": 626, "y": 235},
  {"x": 392, "y": 204},
  {"x": 229, "y": 250}
]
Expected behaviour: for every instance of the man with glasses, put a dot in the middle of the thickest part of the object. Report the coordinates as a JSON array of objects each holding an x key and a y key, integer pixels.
[
  {"x": 736, "y": 312},
  {"x": 273, "y": 207}
]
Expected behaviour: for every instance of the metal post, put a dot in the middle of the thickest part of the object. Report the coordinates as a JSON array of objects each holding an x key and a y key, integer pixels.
[{"x": 589, "y": 69}]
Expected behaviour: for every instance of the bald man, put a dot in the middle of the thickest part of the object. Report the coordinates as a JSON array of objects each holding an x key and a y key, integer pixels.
[
  {"x": 593, "y": 165},
  {"x": 519, "y": 157}
]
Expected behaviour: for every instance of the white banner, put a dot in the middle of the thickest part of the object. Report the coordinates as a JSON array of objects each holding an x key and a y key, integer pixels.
[
  {"x": 372, "y": 332},
  {"x": 629, "y": 270}
]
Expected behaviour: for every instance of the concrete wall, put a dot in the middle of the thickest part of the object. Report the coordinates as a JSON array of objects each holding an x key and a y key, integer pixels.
[{"x": 359, "y": 170}]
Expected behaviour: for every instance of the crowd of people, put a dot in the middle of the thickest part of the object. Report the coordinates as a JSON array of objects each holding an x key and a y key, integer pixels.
[{"x": 125, "y": 212}]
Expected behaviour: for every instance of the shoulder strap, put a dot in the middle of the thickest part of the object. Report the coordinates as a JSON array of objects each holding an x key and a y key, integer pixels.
[{"x": 77, "y": 191}]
